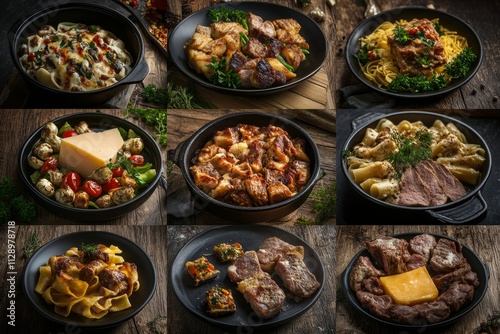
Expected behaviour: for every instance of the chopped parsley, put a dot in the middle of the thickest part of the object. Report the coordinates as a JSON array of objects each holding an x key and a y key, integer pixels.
[
  {"x": 401, "y": 36},
  {"x": 410, "y": 150}
]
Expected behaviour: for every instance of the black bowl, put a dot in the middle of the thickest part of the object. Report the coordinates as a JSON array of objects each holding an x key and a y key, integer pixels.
[
  {"x": 97, "y": 122},
  {"x": 477, "y": 265},
  {"x": 311, "y": 31},
  {"x": 132, "y": 253},
  {"x": 447, "y": 20},
  {"x": 463, "y": 210},
  {"x": 250, "y": 237},
  {"x": 187, "y": 150},
  {"x": 86, "y": 13}
]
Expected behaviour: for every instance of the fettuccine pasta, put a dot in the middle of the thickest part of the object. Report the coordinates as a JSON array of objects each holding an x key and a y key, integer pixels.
[{"x": 89, "y": 283}]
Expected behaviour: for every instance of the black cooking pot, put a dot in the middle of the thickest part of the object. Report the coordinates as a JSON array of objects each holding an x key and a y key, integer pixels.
[
  {"x": 464, "y": 210},
  {"x": 478, "y": 266},
  {"x": 90, "y": 14},
  {"x": 187, "y": 150}
]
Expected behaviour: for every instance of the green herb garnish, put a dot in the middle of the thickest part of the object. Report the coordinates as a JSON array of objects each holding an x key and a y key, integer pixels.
[
  {"x": 223, "y": 14},
  {"x": 32, "y": 244},
  {"x": 324, "y": 204},
  {"x": 362, "y": 54},
  {"x": 401, "y": 36},
  {"x": 221, "y": 77},
  {"x": 88, "y": 249},
  {"x": 410, "y": 150},
  {"x": 417, "y": 84},
  {"x": 461, "y": 64},
  {"x": 153, "y": 323},
  {"x": 154, "y": 117},
  {"x": 14, "y": 205}
]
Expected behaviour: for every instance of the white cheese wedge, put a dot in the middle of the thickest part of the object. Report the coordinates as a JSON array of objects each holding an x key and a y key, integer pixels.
[{"x": 87, "y": 152}]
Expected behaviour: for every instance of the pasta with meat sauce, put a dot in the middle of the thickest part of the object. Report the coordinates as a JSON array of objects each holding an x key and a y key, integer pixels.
[
  {"x": 448, "y": 161},
  {"x": 90, "y": 281},
  {"x": 247, "y": 165}
]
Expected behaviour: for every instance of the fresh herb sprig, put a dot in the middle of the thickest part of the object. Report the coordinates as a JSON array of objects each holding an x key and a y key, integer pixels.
[
  {"x": 222, "y": 77},
  {"x": 324, "y": 204},
  {"x": 32, "y": 243},
  {"x": 152, "y": 325},
  {"x": 153, "y": 117},
  {"x": 88, "y": 249},
  {"x": 401, "y": 36},
  {"x": 224, "y": 14},
  {"x": 362, "y": 54},
  {"x": 13, "y": 204},
  {"x": 183, "y": 97},
  {"x": 461, "y": 64},
  {"x": 410, "y": 150},
  {"x": 417, "y": 84}
]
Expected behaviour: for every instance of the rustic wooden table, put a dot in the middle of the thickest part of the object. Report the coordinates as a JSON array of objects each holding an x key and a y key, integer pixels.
[
  {"x": 18, "y": 124},
  {"x": 480, "y": 239},
  {"x": 152, "y": 239},
  {"x": 183, "y": 123},
  {"x": 318, "y": 319}
]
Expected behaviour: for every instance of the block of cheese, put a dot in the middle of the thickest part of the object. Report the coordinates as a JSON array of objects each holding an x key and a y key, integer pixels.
[
  {"x": 87, "y": 152},
  {"x": 410, "y": 288}
]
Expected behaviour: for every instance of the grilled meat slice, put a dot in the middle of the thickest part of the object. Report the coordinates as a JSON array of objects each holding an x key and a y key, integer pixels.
[
  {"x": 446, "y": 257},
  {"x": 245, "y": 266},
  {"x": 423, "y": 244},
  {"x": 256, "y": 188},
  {"x": 453, "y": 188},
  {"x": 436, "y": 191},
  {"x": 287, "y": 31},
  {"x": 377, "y": 305},
  {"x": 390, "y": 253},
  {"x": 297, "y": 278},
  {"x": 266, "y": 298},
  {"x": 413, "y": 191},
  {"x": 278, "y": 192},
  {"x": 363, "y": 269},
  {"x": 271, "y": 249},
  {"x": 258, "y": 28},
  {"x": 457, "y": 296}
]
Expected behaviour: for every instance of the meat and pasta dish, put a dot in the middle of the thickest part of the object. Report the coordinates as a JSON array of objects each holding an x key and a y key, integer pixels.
[
  {"x": 247, "y": 165},
  {"x": 414, "y": 56},
  {"x": 377, "y": 279},
  {"x": 90, "y": 281},
  {"x": 410, "y": 164},
  {"x": 75, "y": 57},
  {"x": 249, "y": 53}
]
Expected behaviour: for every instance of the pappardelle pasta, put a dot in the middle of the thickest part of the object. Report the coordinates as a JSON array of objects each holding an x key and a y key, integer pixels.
[
  {"x": 90, "y": 281},
  {"x": 75, "y": 57},
  {"x": 410, "y": 164}
]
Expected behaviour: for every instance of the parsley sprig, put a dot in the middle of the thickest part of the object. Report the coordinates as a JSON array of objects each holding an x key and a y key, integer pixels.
[{"x": 410, "y": 150}]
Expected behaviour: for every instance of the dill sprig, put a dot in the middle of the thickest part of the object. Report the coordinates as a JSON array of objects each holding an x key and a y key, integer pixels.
[
  {"x": 324, "y": 204},
  {"x": 410, "y": 150},
  {"x": 152, "y": 324},
  {"x": 154, "y": 117},
  {"x": 32, "y": 244},
  {"x": 180, "y": 97},
  {"x": 88, "y": 249}
]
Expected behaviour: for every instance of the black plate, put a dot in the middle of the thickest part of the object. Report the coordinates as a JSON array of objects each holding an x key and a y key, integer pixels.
[
  {"x": 310, "y": 31},
  {"x": 477, "y": 265},
  {"x": 250, "y": 238},
  {"x": 132, "y": 253},
  {"x": 97, "y": 122},
  {"x": 408, "y": 13}
]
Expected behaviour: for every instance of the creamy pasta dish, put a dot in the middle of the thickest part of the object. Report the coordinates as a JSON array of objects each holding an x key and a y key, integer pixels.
[
  {"x": 75, "y": 57},
  {"x": 410, "y": 164},
  {"x": 90, "y": 281}
]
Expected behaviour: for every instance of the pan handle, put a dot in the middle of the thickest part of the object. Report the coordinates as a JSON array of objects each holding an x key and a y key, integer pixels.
[
  {"x": 173, "y": 155},
  {"x": 364, "y": 119},
  {"x": 463, "y": 213}
]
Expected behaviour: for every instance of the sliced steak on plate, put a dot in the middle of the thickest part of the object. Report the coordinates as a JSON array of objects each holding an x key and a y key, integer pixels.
[
  {"x": 266, "y": 298},
  {"x": 446, "y": 257},
  {"x": 244, "y": 267},
  {"x": 296, "y": 277},
  {"x": 271, "y": 249}
]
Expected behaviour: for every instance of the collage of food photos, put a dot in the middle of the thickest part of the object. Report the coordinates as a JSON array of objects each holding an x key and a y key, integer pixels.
[{"x": 250, "y": 166}]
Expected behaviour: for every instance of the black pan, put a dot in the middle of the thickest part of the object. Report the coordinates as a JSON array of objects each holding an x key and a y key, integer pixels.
[
  {"x": 311, "y": 31},
  {"x": 464, "y": 210},
  {"x": 250, "y": 237},
  {"x": 86, "y": 13},
  {"x": 186, "y": 151},
  {"x": 448, "y": 20},
  {"x": 97, "y": 122},
  {"x": 477, "y": 265}
]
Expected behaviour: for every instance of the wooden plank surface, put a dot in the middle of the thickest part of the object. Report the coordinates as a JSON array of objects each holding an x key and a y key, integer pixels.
[
  {"x": 152, "y": 239},
  {"x": 480, "y": 239},
  {"x": 320, "y": 125},
  {"x": 18, "y": 124},
  {"x": 318, "y": 319}
]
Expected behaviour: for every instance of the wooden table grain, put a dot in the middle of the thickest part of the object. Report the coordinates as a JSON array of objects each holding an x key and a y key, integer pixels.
[
  {"x": 183, "y": 123},
  {"x": 480, "y": 239},
  {"x": 15, "y": 128},
  {"x": 318, "y": 319},
  {"x": 152, "y": 239}
]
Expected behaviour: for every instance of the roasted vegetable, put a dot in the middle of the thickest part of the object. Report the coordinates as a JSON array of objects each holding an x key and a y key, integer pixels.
[{"x": 201, "y": 270}]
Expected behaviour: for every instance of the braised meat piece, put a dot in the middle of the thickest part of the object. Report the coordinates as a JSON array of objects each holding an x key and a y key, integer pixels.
[
  {"x": 415, "y": 261},
  {"x": 429, "y": 178},
  {"x": 296, "y": 277},
  {"x": 97, "y": 255},
  {"x": 362, "y": 270},
  {"x": 256, "y": 188},
  {"x": 206, "y": 177},
  {"x": 446, "y": 257},
  {"x": 254, "y": 48},
  {"x": 288, "y": 31},
  {"x": 457, "y": 295},
  {"x": 91, "y": 269},
  {"x": 413, "y": 191},
  {"x": 433, "y": 312},
  {"x": 379, "y": 306},
  {"x": 453, "y": 188},
  {"x": 463, "y": 274},
  {"x": 244, "y": 267},
  {"x": 114, "y": 280},
  {"x": 421, "y": 51},
  {"x": 271, "y": 249},
  {"x": 266, "y": 298},
  {"x": 390, "y": 253},
  {"x": 423, "y": 244},
  {"x": 258, "y": 28},
  {"x": 278, "y": 192}
]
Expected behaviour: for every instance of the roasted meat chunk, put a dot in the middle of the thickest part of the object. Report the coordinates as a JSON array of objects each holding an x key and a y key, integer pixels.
[
  {"x": 244, "y": 267},
  {"x": 295, "y": 275},
  {"x": 362, "y": 270},
  {"x": 271, "y": 249},
  {"x": 390, "y": 253},
  {"x": 446, "y": 257},
  {"x": 265, "y": 297}
]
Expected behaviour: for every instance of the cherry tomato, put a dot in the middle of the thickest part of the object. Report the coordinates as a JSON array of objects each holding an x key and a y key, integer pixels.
[
  {"x": 72, "y": 180},
  {"x": 137, "y": 160},
  {"x": 69, "y": 133},
  {"x": 92, "y": 188},
  {"x": 50, "y": 163},
  {"x": 117, "y": 172},
  {"x": 111, "y": 184},
  {"x": 413, "y": 31}
]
